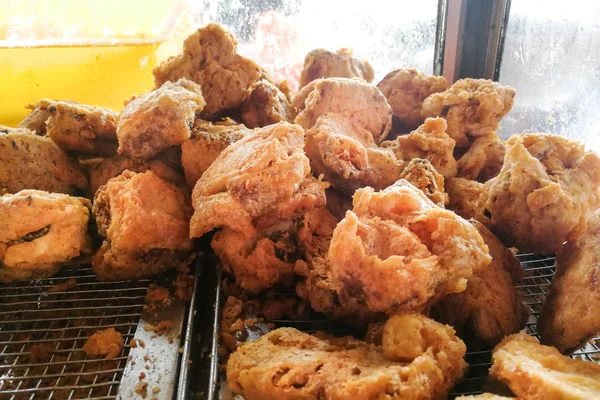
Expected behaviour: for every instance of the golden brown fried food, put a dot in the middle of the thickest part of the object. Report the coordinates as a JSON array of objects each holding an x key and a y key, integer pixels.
[
  {"x": 35, "y": 121},
  {"x": 208, "y": 140},
  {"x": 483, "y": 161},
  {"x": 405, "y": 90},
  {"x": 7, "y": 129},
  {"x": 419, "y": 359},
  {"x": 107, "y": 342},
  {"x": 484, "y": 396},
  {"x": 543, "y": 194},
  {"x": 144, "y": 223},
  {"x": 355, "y": 99},
  {"x": 401, "y": 251},
  {"x": 421, "y": 174},
  {"x": 81, "y": 129},
  {"x": 28, "y": 161},
  {"x": 337, "y": 203},
  {"x": 472, "y": 108},
  {"x": 321, "y": 63},
  {"x": 463, "y": 196},
  {"x": 264, "y": 176},
  {"x": 534, "y": 371},
  {"x": 490, "y": 308},
  {"x": 266, "y": 105},
  {"x": 347, "y": 155},
  {"x": 159, "y": 119},
  {"x": 39, "y": 231},
  {"x": 570, "y": 315},
  {"x": 431, "y": 142},
  {"x": 210, "y": 59}
]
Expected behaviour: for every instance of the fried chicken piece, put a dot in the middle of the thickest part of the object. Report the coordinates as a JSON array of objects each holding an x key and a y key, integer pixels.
[
  {"x": 81, "y": 129},
  {"x": 471, "y": 107},
  {"x": 266, "y": 105},
  {"x": 483, "y": 161},
  {"x": 7, "y": 129},
  {"x": 420, "y": 359},
  {"x": 569, "y": 316},
  {"x": 405, "y": 90},
  {"x": 321, "y": 63},
  {"x": 543, "y": 194},
  {"x": 421, "y": 174},
  {"x": 463, "y": 196},
  {"x": 144, "y": 223},
  {"x": 39, "y": 231},
  {"x": 107, "y": 342},
  {"x": 401, "y": 251},
  {"x": 534, "y": 371},
  {"x": 210, "y": 59},
  {"x": 337, "y": 203},
  {"x": 347, "y": 155},
  {"x": 430, "y": 142},
  {"x": 262, "y": 177},
  {"x": 159, "y": 119},
  {"x": 355, "y": 99},
  {"x": 35, "y": 121}
]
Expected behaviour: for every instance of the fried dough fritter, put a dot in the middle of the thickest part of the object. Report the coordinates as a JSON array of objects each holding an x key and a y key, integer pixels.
[
  {"x": 570, "y": 315},
  {"x": 321, "y": 63},
  {"x": 543, "y": 194},
  {"x": 421, "y": 174},
  {"x": 158, "y": 120},
  {"x": 401, "y": 251},
  {"x": 471, "y": 107},
  {"x": 463, "y": 196},
  {"x": 419, "y": 359},
  {"x": 39, "y": 231},
  {"x": 430, "y": 142},
  {"x": 266, "y": 105},
  {"x": 483, "y": 160},
  {"x": 405, "y": 90},
  {"x": 355, "y": 99},
  {"x": 35, "y": 121},
  {"x": 534, "y": 371}
]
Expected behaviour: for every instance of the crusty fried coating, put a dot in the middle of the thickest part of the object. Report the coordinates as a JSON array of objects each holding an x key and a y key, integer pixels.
[
  {"x": 490, "y": 308},
  {"x": 210, "y": 59},
  {"x": 483, "y": 161},
  {"x": 534, "y": 371},
  {"x": 401, "y": 251},
  {"x": 347, "y": 155},
  {"x": 36, "y": 120},
  {"x": 337, "y": 203},
  {"x": 39, "y": 230},
  {"x": 28, "y": 161},
  {"x": 423, "y": 176},
  {"x": 266, "y": 105},
  {"x": 429, "y": 141},
  {"x": 463, "y": 196},
  {"x": 543, "y": 194},
  {"x": 321, "y": 63},
  {"x": 472, "y": 108},
  {"x": 81, "y": 129},
  {"x": 159, "y": 119},
  {"x": 7, "y": 129},
  {"x": 405, "y": 90},
  {"x": 263, "y": 176},
  {"x": 420, "y": 359},
  {"x": 107, "y": 342},
  {"x": 208, "y": 140},
  {"x": 355, "y": 99},
  {"x": 570, "y": 314}
]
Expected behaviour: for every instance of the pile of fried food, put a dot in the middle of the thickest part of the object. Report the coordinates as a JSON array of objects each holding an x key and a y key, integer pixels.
[{"x": 391, "y": 206}]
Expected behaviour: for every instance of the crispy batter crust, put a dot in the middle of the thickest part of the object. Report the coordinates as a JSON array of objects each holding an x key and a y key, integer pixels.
[
  {"x": 321, "y": 63},
  {"x": 421, "y": 174},
  {"x": 266, "y": 105},
  {"x": 483, "y": 161},
  {"x": 36, "y": 120},
  {"x": 463, "y": 196}
]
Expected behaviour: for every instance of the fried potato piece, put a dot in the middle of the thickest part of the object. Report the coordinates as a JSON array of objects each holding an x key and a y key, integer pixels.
[
  {"x": 35, "y": 121},
  {"x": 210, "y": 59},
  {"x": 543, "y": 194},
  {"x": 421, "y": 174},
  {"x": 321, "y": 63},
  {"x": 144, "y": 223},
  {"x": 430, "y": 142},
  {"x": 40, "y": 230},
  {"x": 401, "y": 251},
  {"x": 159, "y": 119},
  {"x": 420, "y": 359},
  {"x": 81, "y": 129},
  {"x": 570, "y": 316},
  {"x": 534, "y": 371},
  {"x": 483, "y": 161},
  {"x": 266, "y": 105},
  {"x": 360, "y": 102},
  {"x": 347, "y": 155},
  {"x": 471, "y": 107},
  {"x": 405, "y": 90},
  {"x": 28, "y": 161},
  {"x": 262, "y": 177},
  {"x": 463, "y": 196}
]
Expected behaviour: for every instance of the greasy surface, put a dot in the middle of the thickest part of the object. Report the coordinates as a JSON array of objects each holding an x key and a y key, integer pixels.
[
  {"x": 420, "y": 359},
  {"x": 543, "y": 194},
  {"x": 266, "y": 105},
  {"x": 463, "y": 196},
  {"x": 533, "y": 371},
  {"x": 472, "y": 108},
  {"x": 107, "y": 342},
  {"x": 36, "y": 120},
  {"x": 321, "y": 63},
  {"x": 483, "y": 160},
  {"x": 423, "y": 176},
  {"x": 160, "y": 119},
  {"x": 401, "y": 251}
]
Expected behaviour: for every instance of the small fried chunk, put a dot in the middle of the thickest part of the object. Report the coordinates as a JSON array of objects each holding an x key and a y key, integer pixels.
[
  {"x": 483, "y": 161},
  {"x": 421, "y": 174},
  {"x": 35, "y": 121},
  {"x": 107, "y": 342},
  {"x": 463, "y": 196},
  {"x": 321, "y": 63},
  {"x": 266, "y": 105}
]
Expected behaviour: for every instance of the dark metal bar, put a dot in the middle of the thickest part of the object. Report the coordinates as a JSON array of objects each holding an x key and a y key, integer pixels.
[{"x": 440, "y": 37}]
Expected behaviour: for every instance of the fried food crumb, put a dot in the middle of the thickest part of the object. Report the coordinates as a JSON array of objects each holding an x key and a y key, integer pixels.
[
  {"x": 142, "y": 376},
  {"x": 107, "y": 342},
  {"x": 63, "y": 287},
  {"x": 156, "y": 390},
  {"x": 142, "y": 389},
  {"x": 158, "y": 294},
  {"x": 132, "y": 343}
]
